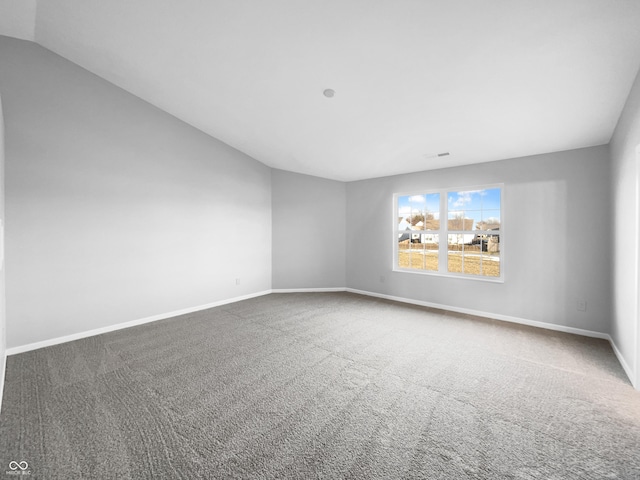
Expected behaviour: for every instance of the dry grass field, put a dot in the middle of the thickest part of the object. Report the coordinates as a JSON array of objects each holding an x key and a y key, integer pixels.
[
  {"x": 461, "y": 259},
  {"x": 418, "y": 259}
]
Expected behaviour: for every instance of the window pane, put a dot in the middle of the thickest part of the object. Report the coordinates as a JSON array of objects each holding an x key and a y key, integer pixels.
[
  {"x": 419, "y": 212},
  {"x": 471, "y": 259},
  {"x": 404, "y": 243},
  {"x": 404, "y": 213},
  {"x": 417, "y": 203},
  {"x": 433, "y": 202},
  {"x": 403, "y": 205},
  {"x": 418, "y": 251},
  {"x": 491, "y": 199},
  {"x": 411, "y": 251},
  {"x": 491, "y": 265},
  {"x": 484, "y": 204},
  {"x": 456, "y": 214},
  {"x": 431, "y": 251},
  {"x": 465, "y": 200},
  {"x": 458, "y": 220},
  {"x": 455, "y": 244},
  {"x": 472, "y": 219},
  {"x": 490, "y": 220},
  {"x": 432, "y": 222},
  {"x": 432, "y": 211},
  {"x": 493, "y": 244}
]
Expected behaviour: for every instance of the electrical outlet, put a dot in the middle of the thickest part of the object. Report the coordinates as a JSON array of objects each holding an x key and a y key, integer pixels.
[
  {"x": 381, "y": 278},
  {"x": 237, "y": 281},
  {"x": 581, "y": 305}
]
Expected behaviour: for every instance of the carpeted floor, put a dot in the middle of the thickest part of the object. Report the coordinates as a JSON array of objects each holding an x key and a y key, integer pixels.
[{"x": 329, "y": 386}]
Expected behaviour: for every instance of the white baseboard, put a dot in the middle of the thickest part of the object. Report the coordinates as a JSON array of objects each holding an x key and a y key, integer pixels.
[
  {"x": 523, "y": 321},
  {"x": 3, "y": 366},
  {"x": 493, "y": 316},
  {"x": 507, "y": 318},
  {"x": 132, "y": 323},
  {"x": 308, "y": 290},
  {"x": 625, "y": 366}
]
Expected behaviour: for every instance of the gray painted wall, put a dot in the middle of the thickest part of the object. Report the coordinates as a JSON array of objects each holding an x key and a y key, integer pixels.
[
  {"x": 18, "y": 18},
  {"x": 115, "y": 210},
  {"x": 308, "y": 231},
  {"x": 555, "y": 238},
  {"x": 625, "y": 330}
]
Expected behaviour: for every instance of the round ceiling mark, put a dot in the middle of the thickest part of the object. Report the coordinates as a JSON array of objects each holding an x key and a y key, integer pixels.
[{"x": 329, "y": 93}]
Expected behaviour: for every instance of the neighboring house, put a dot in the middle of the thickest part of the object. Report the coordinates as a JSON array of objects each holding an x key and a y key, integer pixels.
[
  {"x": 404, "y": 224},
  {"x": 490, "y": 224},
  {"x": 493, "y": 244},
  {"x": 464, "y": 224},
  {"x": 414, "y": 231},
  {"x": 490, "y": 243},
  {"x": 461, "y": 224},
  {"x": 429, "y": 225}
]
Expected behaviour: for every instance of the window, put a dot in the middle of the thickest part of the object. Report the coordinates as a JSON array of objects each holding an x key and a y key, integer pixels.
[
  {"x": 418, "y": 231},
  {"x": 467, "y": 244}
]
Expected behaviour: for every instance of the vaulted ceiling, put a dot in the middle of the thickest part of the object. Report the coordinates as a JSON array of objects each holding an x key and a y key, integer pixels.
[{"x": 412, "y": 78}]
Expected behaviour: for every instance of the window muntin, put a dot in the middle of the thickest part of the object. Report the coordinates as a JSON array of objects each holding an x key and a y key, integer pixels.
[{"x": 472, "y": 231}]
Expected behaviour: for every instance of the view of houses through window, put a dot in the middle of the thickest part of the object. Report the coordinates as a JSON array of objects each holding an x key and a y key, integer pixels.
[{"x": 468, "y": 243}]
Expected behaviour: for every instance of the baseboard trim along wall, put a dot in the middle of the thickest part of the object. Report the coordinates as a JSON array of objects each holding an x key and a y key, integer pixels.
[
  {"x": 494, "y": 316},
  {"x": 3, "y": 365},
  {"x": 308, "y": 290},
  {"x": 132, "y": 323},
  {"x": 506, "y": 318},
  {"x": 625, "y": 366},
  {"x": 89, "y": 333}
]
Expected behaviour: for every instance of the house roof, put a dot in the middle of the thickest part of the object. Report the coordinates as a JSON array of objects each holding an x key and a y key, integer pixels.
[
  {"x": 493, "y": 225},
  {"x": 460, "y": 224}
]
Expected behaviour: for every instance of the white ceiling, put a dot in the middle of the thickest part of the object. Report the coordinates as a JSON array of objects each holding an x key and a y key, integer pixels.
[{"x": 484, "y": 80}]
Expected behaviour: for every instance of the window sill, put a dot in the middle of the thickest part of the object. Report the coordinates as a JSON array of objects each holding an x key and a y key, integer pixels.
[{"x": 450, "y": 275}]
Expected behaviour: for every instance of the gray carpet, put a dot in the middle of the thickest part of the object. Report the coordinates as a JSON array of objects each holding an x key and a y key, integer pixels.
[{"x": 322, "y": 386}]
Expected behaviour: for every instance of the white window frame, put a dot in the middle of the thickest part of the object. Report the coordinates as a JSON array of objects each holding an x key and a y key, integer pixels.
[{"x": 443, "y": 233}]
